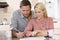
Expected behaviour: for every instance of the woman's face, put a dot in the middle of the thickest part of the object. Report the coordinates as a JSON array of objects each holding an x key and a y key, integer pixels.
[{"x": 38, "y": 12}]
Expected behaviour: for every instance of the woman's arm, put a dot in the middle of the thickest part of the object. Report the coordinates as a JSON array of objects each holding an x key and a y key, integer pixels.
[{"x": 28, "y": 29}]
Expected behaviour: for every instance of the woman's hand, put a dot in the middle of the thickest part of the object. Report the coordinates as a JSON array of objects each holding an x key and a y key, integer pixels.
[
  {"x": 44, "y": 32},
  {"x": 29, "y": 34},
  {"x": 39, "y": 33}
]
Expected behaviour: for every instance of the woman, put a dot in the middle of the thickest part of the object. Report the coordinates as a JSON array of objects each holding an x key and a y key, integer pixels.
[{"x": 39, "y": 25}]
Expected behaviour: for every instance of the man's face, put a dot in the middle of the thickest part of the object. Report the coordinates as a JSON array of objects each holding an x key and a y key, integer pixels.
[{"x": 25, "y": 10}]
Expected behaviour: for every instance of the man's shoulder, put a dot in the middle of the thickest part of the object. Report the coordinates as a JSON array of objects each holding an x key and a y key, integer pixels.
[
  {"x": 33, "y": 19},
  {"x": 32, "y": 11},
  {"x": 17, "y": 11}
]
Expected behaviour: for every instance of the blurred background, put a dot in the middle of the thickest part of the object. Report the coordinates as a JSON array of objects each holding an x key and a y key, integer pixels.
[
  {"x": 52, "y": 7},
  {"x": 8, "y": 6}
]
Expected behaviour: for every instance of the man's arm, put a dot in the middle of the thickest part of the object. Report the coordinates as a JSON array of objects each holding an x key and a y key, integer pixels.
[
  {"x": 13, "y": 24},
  {"x": 14, "y": 34}
]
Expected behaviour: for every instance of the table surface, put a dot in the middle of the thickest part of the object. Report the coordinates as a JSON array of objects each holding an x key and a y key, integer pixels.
[
  {"x": 36, "y": 38},
  {"x": 28, "y": 38}
]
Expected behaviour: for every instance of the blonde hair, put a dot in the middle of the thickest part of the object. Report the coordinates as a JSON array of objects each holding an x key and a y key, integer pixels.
[{"x": 41, "y": 6}]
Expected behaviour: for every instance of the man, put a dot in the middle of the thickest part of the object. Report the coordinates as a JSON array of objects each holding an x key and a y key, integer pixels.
[{"x": 21, "y": 18}]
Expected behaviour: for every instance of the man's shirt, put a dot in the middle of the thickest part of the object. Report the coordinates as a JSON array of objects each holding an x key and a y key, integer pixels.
[{"x": 18, "y": 21}]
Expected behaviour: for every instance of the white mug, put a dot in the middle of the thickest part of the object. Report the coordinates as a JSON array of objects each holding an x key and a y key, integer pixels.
[{"x": 51, "y": 32}]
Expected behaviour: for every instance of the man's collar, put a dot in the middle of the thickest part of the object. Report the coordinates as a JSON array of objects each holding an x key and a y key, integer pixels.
[{"x": 22, "y": 16}]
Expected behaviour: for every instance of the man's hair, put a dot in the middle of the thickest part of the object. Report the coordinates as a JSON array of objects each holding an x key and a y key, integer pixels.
[{"x": 25, "y": 3}]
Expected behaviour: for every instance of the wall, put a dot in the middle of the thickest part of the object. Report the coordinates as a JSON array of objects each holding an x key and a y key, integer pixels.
[
  {"x": 59, "y": 7},
  {"x": 6, "y": 12},
  {"x": 52, "y": 8}
]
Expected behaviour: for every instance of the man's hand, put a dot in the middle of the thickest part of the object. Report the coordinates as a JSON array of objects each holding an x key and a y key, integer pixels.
[
  {"x": 20, "y": 35},
  {"x": 29, "y": 34}
]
